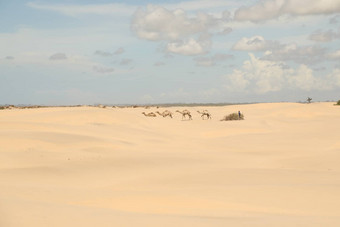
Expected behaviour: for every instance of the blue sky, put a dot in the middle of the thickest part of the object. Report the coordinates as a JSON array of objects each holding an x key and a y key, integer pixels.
[{"x": 137, "y": 52}]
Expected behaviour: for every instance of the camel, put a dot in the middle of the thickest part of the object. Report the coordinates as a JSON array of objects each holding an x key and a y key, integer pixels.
[
  {"x": 165, "y": 113},
  {"x": 205, "y": 113},
  {"x": 151, "y": 114},
  {"x": 185, "y": 113}
]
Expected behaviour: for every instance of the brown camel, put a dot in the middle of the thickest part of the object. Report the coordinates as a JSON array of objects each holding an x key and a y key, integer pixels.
[
  {"x": 205, "y": 113},
  {"x": 151, "y": 114},
  {"x": 165, "y": 113},
  {"x": 185, "y": 113}
]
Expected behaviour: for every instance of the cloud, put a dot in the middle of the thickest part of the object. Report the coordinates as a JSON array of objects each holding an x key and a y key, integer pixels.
[
  {"x": 304, "y": 79},
  {"x": 196, "y": 5},
  {"x": 237, "y": 81},
  {"x": 102, "y": 69},
  {"x": 204, "y": 61},
  {"x": 222, "y": 57},
  {"x": 335, "y": 55},
  {"x": 334, "y": 77},
  {"x": 324, "y": 36},
  {"x": 271, "y": 9},
  {"x": 74, "y": 10},
  {"x": 125, "y": 61},
  {"x": 58, "y": 56},
  {"x": 157, "y": 23},
  {"x": 263, "y": 10},
  {"x": 189, "y": 47},
  {"x": 159, "y": 63},
  {"x": 226, "y": 31},
  {"x": 9, "y": 58},
  {"x": 275, "y": 51},
  {"x": 334, "y": 19},
  {"x": 292, "y": 52},
  {"x": 183, "y": 34},
  {"x": 102, "y": 53},
  {"x": 255, "y": 43},
  {"x": 211, "y": 61},
  {"x": 119, "y": 51},
  {"x": 263, "y": 76}
]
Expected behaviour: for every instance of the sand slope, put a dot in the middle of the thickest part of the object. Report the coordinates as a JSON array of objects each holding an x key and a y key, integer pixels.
[{"x": 87, "y": 166}]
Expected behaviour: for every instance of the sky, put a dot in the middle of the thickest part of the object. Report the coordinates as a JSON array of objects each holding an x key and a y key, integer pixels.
[{"x": 71, "y": 52}]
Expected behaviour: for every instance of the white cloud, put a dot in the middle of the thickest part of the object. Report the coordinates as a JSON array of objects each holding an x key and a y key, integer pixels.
[
  {"x": 255, "y": 43},
  {"x": 237, "y": 81},
  {"x": 303, "y": 78},
  {"x": 189, "y": 47},
  {"x": 74, "y": 10},
  {"x": 157, "y": 23},
  {"x": 271, "y": 9},
  {"x": 311, "y": 7},
  {"x": 262, "y": 76},
  {"x": 177, "y": 28},
  {"x": 263, "y": 10},
  {"x": 334, "y": 77}
]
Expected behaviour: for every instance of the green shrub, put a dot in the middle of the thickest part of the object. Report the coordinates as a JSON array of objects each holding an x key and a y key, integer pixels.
[
  {"x": 338, "y": 103},
  {"x": 233, "y": 117}
]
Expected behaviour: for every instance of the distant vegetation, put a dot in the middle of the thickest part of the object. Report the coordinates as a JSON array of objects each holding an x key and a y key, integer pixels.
[
  {"x": 338, "y": 103},
  {"x": 309, "y": 99},
  {"x": 233, "y": 117}
]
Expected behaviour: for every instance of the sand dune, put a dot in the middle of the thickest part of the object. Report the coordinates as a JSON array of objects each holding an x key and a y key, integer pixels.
[{"x": 87, "y": 166}]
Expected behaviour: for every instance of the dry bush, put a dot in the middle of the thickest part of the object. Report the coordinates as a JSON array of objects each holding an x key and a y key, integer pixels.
[
  {"x": 338, "y": 103},
  {"x": 233, "y": 117}
]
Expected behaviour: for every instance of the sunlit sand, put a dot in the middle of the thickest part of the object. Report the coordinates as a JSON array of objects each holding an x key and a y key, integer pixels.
[{"x": 90, "y": 166}]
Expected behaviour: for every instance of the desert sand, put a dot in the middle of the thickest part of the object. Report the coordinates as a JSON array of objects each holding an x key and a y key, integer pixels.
[{"x": 89, "y": 166}]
